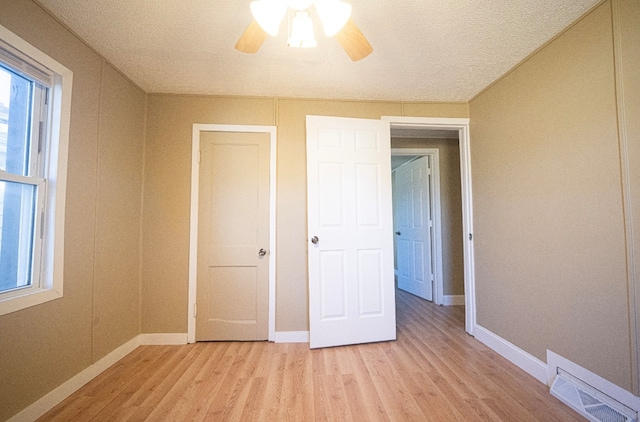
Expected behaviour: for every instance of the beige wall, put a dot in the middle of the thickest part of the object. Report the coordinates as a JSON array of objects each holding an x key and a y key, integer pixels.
[
  {"x": 167, "y": 194},
  {"x": 627, "y": 40},
  {"x": 450, "y": 208},
  {"x": 43, "y": 346},
  {"x": 549, "y": 225},
  {"x": 116, "y": 292}
]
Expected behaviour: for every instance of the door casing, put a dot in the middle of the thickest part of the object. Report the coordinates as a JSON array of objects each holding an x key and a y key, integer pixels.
[{"x": 193, "y": 230}]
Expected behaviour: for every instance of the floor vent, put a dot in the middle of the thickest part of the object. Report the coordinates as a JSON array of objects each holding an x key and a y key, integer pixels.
[{"x": 589, "y": 402}]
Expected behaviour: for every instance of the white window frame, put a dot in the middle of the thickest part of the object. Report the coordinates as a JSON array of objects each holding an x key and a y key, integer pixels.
[{"x": 47, "y": 283}]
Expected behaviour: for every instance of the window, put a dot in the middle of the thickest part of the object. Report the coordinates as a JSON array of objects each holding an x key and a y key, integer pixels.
[{"x": 35, "y": 93}]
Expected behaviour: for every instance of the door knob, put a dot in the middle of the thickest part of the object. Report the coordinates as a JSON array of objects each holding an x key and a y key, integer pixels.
[
  {"x": 315, "y": 240},
  {"x": 262, "y": 252},
  {"x": 398, "y": 233}
]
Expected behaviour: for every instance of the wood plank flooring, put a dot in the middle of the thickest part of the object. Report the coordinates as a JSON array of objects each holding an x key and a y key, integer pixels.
[{"x": 433, "y": 372}]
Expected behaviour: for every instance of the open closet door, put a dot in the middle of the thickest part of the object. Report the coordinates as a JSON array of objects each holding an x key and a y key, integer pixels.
[{"x": 350, "y": 230}]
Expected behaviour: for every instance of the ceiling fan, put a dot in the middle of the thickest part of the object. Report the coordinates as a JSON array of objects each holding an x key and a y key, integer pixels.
[{"x": 335, "y": 16}]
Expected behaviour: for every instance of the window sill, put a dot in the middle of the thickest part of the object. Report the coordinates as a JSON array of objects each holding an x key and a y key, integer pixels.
[{"x": 30, "y": 297}]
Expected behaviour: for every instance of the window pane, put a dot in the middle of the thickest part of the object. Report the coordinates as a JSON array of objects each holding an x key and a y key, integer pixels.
[
  {"x": 15, "y": 115},
  {"x": 17, "y": 211}
]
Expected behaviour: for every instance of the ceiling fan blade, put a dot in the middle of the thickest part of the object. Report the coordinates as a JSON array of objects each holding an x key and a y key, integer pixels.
[
  {"x": 353, "y": 41},
  {"x": 251, "y": 39}
]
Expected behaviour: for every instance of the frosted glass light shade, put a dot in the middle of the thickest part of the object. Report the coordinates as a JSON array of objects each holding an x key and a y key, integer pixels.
[
  {"x": 269, "y": 14},
  {"x": 302, "y": 31},
  {"x": 300, "y": 4},
  {"x": 334, "y": 14}
]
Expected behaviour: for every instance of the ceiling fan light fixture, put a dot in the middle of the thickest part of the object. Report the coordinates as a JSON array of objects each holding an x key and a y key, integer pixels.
[
  {"x": 269, "y": 14},
  {"x": 301, "y": 31},
  {"x": 335, "y": 17},
  {"x": 333, "y": 14}
]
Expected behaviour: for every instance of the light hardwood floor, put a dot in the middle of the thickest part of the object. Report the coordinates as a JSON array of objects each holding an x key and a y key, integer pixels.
[{"x": 433, "y": 372}]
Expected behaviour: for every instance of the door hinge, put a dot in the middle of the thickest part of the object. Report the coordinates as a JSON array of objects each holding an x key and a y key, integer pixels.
[
  {"x": 195, "y": 310},
  {"x": 470, "y": 236}
]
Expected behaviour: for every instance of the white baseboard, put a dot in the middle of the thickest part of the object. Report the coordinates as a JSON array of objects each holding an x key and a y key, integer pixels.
[
  {"x": 163, "y": 339},
  {"x": 292, "y": 337},
  {"x": 523, "y": 360},
  {"x": 555, "y": 361},
  {"x": 453, "y": 300},
  {"x": 51, "y": 399},
  {"x": 546, "y": 373}
]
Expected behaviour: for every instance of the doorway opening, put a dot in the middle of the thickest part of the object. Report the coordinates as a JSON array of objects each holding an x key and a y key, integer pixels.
[
  {"x": 455, "y": 128},
  {"x": 428, "y": 247}
]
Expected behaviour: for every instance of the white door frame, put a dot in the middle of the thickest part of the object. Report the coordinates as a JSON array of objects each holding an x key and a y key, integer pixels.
[
  {"x": 193, "y": 236},
  {"x": 462, "y": 126},
  {"x": 436, "y": 241}
]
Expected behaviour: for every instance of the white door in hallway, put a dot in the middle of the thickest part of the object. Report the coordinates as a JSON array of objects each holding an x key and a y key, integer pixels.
[
  {"x": 233, "y": 237},
  {"x": 414, "y": 227},
  {"x": 350, "y": 230}
]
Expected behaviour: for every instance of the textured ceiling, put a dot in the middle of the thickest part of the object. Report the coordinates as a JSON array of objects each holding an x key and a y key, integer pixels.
[{"x": 424, "y": 50}]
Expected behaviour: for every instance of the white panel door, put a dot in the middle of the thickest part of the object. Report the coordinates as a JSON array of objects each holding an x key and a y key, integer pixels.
[
  {"x": 350, "y": 228},
  {"x": 414, "y": 225},
  {"x": 233, "y": 237}
]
